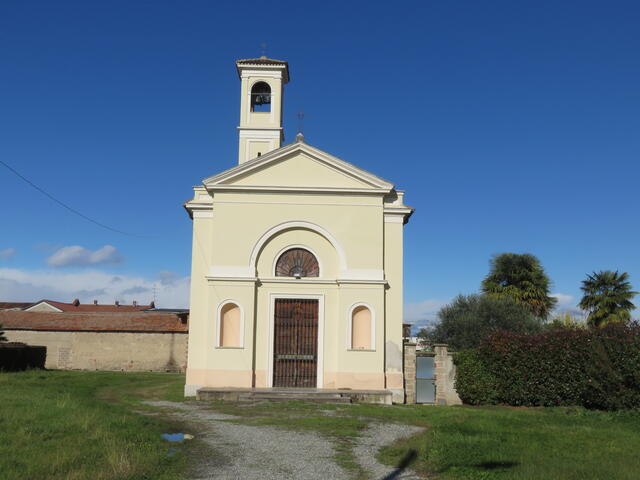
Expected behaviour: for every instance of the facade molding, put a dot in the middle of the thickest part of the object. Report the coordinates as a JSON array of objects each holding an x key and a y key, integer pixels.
[
  {"x": 261, "y": 188},
  {"x": 268, "y": 131},
  {"x": 202, "y": 214},
  {"x": 342, "y": 257},
  {"x": 393, "y": 218},
  {"x": 301, "y": 281},
  {"x": 230, "y": 279}
]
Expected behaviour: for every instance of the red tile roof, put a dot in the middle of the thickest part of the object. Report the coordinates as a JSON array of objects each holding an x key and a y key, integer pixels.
[
  {"x": 95, "y": 322},
  {"x": 90, "y": 307},
  {"x": 7, "y": 305}
]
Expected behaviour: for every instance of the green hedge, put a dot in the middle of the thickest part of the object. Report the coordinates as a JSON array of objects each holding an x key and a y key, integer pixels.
[
  {"x": 595, "y": 368},
  {"x": 15, "y": 357}
]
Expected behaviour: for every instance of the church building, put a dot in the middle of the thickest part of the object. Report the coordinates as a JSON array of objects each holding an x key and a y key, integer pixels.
[{"x": 296, "y": 277}]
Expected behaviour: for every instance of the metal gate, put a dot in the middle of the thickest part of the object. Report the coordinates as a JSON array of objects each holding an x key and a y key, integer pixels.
[
  {"x": 425, "y": 379},
  {"x": 296, "y": 343}
]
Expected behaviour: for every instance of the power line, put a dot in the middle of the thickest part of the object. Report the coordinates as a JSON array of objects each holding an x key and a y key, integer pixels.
[{"x": 64, "y": 205}]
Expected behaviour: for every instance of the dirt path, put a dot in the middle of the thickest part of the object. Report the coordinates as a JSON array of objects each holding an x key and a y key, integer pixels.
[{"x": 263, "y": 452}]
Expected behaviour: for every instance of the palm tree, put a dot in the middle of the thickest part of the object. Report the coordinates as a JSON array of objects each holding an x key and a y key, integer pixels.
[
  {"x": 521, "y": 277},
  {"x": 607, "y": 297}
]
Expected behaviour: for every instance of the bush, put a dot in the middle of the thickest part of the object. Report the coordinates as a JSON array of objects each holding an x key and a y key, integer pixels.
[
  {"x": 475, "y": 384},
  {"x": 467, "y": 320},
  {"x": 595, "y": 368},
  {"x": 15, "y": 357}
]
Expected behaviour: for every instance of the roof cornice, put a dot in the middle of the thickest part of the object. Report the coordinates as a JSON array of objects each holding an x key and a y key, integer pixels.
[
  {"x": 264, "y": 63},
  {"x": 378, "y": 184}
]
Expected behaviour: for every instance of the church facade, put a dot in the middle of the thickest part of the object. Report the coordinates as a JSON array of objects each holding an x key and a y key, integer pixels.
[{"x": 297, "y": 274}]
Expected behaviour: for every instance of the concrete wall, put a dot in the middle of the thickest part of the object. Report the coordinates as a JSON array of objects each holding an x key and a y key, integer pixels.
[{"x": 108, "y": 350}]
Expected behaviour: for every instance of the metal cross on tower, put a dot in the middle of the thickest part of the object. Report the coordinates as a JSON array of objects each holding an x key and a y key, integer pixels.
[{"x": 300, "y": 122}]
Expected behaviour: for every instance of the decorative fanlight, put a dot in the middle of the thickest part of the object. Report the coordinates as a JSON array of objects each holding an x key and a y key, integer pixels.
[{"x": 297, "y": 263}]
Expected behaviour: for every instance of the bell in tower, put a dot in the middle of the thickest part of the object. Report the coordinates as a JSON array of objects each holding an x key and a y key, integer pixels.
[
  {"x": 261, "y": 97},
  {"x": 262, "y": 87}
]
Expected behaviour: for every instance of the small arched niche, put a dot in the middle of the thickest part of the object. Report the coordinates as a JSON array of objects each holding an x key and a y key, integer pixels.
[
  {"x": 261, "y": 97},
  {"x": 361, "y": 328},
  {"x": 298, "y": 263},
  {"x": 230, "y": 325}
]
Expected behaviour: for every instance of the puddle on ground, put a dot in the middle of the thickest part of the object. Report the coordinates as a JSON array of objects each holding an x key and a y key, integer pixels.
[{"x": 176, "y": 437}]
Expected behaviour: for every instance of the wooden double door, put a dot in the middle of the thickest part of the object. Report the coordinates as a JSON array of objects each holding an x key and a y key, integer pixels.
[{"x": 295, "y": 361}]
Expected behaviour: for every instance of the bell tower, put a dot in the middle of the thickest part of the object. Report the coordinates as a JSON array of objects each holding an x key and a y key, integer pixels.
[{"x": 261, "y": 93}]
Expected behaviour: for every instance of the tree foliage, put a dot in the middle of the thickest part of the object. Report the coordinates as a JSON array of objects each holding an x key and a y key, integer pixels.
[
  {"x": 607, "y": 297},
  {"x": 3, "y": 338},
  {"x": 566, "y": 321},
  {"x": 521, "y": 277},
  {"x": 469, "y": 319}
]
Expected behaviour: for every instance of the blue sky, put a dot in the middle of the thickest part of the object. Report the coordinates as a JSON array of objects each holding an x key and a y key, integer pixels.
[{"x": 513, "y": 126}]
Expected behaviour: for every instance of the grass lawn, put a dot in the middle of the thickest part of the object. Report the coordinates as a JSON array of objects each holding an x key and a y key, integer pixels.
[
  {"x": 84, "y": 425},
  {"x": 68, "y": 425},
  {"x": 476, "y": 442}
]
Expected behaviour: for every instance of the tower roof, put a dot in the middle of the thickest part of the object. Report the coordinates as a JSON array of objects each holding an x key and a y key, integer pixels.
[{"x": 264, "y": 62}]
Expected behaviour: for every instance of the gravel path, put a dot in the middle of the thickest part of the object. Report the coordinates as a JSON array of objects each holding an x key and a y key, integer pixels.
[
  {"x": 377, "y": 436},
  {"x": 250, "y": 452},
  {"x": 263, "y": 452}
]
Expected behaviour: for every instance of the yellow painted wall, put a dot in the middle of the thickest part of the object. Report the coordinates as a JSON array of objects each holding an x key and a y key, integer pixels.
[{"x": 236, "y": 244}]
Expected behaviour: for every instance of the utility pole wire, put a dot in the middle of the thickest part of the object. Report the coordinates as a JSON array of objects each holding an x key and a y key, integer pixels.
[{"x": 64, "y": 205}]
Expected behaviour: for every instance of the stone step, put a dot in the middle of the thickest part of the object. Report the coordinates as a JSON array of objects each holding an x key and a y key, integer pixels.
[
  {"x": 298, "y": 393},
  {"x": 283, "y": 397},
  {"x": 324, "y": 394}
]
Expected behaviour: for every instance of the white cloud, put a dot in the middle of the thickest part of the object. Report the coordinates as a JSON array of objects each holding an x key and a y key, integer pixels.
[
  {"x": 88, "y": 285},
  {"x": 567, "y": 304},
  {"x": 424, "y": 313},
  {"x": 77, "y": 256},
  {"x": 7, "y": 253},
  {"x": 167, "y": 278},
  {"x": 563, "y": 299}
]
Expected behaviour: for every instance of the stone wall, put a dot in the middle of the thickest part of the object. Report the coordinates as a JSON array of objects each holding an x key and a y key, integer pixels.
[
  {"x": 445, "y": 372},
  {"x": 68, "y": 350},
  {"x": 445, "y": 377},
  {"x": 410, "y": 373}
]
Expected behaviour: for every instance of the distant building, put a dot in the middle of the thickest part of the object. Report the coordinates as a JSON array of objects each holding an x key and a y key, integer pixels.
[
  {"x": 14, "y": 305},
  {"x": 76, "y": 306},
  {"x": 100, "y": 337}
]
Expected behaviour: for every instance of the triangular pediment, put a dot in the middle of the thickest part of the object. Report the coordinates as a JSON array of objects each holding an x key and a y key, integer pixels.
[{"x": 298, "y": 166}]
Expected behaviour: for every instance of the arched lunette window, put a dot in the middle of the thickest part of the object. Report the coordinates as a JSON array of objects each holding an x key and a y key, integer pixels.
[
  {"x": 261, "y": 97},
  {"x": 361, "y": 328},
  {"x": 230, "y": 325},
  {"x": 298, "y": 263}
]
